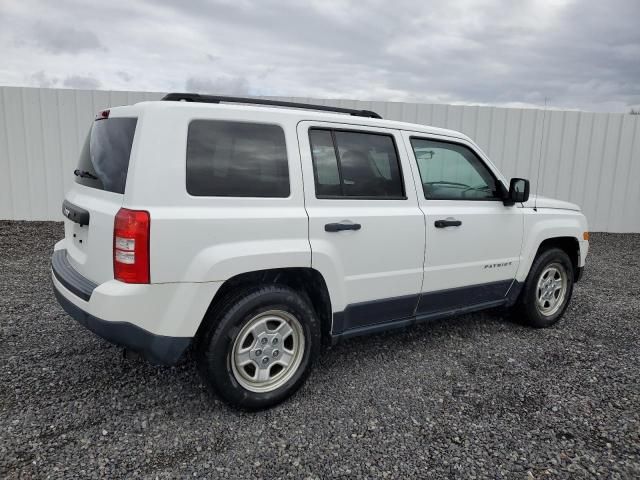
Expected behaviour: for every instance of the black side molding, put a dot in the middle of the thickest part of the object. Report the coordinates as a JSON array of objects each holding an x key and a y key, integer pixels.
[
  {"x": 388, "y": 313},
  {"x": 75, "y": 213},
  {"x": 67, "y": 276},
  {"x": 412, "y": 320}
]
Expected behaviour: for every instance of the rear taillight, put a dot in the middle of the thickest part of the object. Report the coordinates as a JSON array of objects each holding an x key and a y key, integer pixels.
[{"x": 131, "y": 246}]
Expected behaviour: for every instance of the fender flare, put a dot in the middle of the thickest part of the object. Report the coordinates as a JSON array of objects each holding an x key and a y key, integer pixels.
[{"x": 546, "y": 229}]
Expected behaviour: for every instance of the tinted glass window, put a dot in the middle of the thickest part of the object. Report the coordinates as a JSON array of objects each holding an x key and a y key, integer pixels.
[
  {"x": 366, "y": 164},
  {"x": 325, "y": 163},
  {"x": 235, "y": 159},
  {"x": 452, "y": 172},
  {"x": 104, "y": 160}
]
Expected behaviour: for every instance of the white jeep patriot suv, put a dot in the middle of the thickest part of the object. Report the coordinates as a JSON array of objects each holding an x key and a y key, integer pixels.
[{"x": 257, "y": 230}]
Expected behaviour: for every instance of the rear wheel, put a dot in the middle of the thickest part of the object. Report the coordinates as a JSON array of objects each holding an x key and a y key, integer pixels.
[
  {"x": 547, "y": 289},
  {"x": 268, "y": 350},
  {"x": 259, "y": 346}
]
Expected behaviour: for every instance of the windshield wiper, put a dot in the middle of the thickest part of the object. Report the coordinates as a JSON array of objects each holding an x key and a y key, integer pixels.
[{"x": 84, "y": 174}]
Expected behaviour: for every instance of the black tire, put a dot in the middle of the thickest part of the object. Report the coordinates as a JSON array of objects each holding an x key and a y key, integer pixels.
[
  {"x": 526, "y": 310},
  {"x": 215, "y": 344}
]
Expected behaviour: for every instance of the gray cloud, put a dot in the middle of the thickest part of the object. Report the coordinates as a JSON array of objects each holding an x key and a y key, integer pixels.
[
  {"x": 579, "y": 54},
  {"x": 218, "y": 85},
  {"x": 41, "y": 79},
  {"x": 64, "y": 39},
  {"x": 124, "y": 76},
  {"x": 81, "y": 82}
]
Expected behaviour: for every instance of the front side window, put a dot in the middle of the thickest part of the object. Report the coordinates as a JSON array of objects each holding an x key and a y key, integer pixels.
[
  {"x": 450, "y": 171},
  {"x": 236, "y": 159},
  {"x": 349, "y": 164}
]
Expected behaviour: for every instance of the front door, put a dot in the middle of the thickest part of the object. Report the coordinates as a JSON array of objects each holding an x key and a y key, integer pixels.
[
  {"x": 366, "y": 229},
  {"x": 473, "y": 240}
]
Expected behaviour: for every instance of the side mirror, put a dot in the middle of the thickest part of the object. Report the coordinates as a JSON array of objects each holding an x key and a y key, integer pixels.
[{"x": 518, "y": 191}]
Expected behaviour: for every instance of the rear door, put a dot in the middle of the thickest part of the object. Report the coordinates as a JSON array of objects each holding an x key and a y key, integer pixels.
[
  {"x": 366, "y": 230},
  {"x": 96, "y": 196},
  {"x": 473, "y": 240}
]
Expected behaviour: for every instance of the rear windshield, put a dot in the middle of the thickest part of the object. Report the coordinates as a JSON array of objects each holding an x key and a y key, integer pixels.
[{"x": 104, "y": 160}]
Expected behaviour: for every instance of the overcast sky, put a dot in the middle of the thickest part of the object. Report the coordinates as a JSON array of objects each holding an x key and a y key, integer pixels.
[{"x": 582, "y": 54}]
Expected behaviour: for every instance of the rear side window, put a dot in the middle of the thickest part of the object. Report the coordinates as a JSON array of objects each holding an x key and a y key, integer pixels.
[
  {"x": 236, "y": 159},
  {"x": 104, "y": 160},
  {"x": 350, "y": 164}
]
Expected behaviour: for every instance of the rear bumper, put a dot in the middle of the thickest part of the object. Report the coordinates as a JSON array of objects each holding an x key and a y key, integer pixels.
[
  {"x": 158, "y": 349},
  {"x": 69, "y": 278},
  {"x": 157, "y": 321}
]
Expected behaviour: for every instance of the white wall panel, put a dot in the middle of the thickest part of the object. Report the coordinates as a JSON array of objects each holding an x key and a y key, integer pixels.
[{"x": 592, "y": 159}]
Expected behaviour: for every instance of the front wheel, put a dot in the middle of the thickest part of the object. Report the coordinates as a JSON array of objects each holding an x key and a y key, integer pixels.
[
  {"x": 547, "y": 289},
  {"x": 259, "y": 346}
]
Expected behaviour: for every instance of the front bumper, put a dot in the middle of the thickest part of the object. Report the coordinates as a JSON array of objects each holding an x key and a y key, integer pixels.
[
  {"x": 579, "y": 274},
  {"x": 68, "y": 283}
]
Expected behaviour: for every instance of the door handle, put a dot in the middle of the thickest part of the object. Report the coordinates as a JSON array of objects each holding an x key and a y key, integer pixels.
[
  {"x": 338, "y": 227},
  {"x": 447, "y": 223}
]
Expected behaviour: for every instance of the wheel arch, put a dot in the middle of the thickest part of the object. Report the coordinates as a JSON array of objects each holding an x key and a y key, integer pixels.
[
  {"x": 570, "y": 245},
  {"x": 308, "y": 281}
]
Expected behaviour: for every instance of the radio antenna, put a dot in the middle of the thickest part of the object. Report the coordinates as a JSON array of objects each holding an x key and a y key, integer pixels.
[{"x": 544, "y": 115}]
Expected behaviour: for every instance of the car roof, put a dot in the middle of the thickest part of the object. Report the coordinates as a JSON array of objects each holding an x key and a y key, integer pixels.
[{"x": 300, "y": 114}]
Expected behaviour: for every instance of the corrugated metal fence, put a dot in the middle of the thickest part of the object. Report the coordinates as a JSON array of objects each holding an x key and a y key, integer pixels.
[{"x": 592, "y": 159}]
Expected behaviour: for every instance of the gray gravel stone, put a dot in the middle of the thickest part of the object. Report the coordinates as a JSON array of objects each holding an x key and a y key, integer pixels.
[{"x": 472, "y": 397}]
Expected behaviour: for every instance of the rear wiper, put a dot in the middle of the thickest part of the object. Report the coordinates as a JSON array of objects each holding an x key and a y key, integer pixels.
[{"x": 84, "y": 174}]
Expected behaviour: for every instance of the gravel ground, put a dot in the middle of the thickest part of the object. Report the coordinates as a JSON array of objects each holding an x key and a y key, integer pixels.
[{"x": 472, "y": 397}]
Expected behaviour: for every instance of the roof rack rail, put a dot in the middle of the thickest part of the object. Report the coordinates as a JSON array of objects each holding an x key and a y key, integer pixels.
[{"x": 196, "y": 97}]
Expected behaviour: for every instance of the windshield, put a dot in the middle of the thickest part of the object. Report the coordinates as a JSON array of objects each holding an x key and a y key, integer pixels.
[{"x": 104, "y": 160}]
